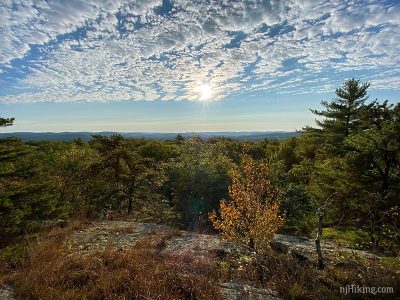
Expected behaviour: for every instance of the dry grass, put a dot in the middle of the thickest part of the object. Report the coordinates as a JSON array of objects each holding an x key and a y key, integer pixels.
[
  {"x": 294, "y": 280},
  {"x": 139, "y": 273},
  {"x": 162, "y": 238},
  {"x": 15, "y": 253},
  {"x": 143, "y": 273}
]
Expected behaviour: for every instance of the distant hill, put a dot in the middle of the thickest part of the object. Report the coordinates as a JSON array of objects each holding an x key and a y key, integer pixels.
[{"x": 70, "y": 136}]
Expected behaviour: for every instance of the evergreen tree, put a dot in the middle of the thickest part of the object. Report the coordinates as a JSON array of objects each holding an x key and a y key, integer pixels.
[
  {"x": 6, "y": 122},
  {"x": 179, "y": 138},
  {"x": 25, "y": 197},
  {"x": 340, "y": 118},
  {"x": 379, "y": 143},
  {"x": 374, "y": 165},
  {"x": 199, "y": 180},
  {"x": 342, "y": 114},
  {"x": 366, "y": 177},
  {"x": 131, "y": 180},
  {"x": 325, "y": 147},
  {"x": 68, "y": 167},
  {"x": 112, "y": 151}
]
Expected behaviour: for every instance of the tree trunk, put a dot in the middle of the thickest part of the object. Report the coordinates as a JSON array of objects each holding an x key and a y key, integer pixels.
[
  {"x": 130, "y": 205},
  {"x": 318, "y": 241},
  {"x": 130, "y": 194},
  {"x": 321, "y": 215},
  {"x": 251, "y": 243}
]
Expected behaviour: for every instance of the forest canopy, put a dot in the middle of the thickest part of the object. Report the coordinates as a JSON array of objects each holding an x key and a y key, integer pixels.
[{"x": 353, "y": 152}]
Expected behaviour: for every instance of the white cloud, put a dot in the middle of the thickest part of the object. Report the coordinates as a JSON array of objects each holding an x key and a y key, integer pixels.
[{"x": 127, "y": 51}]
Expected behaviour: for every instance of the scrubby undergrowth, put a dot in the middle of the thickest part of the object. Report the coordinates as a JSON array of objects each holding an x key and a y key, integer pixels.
[
  {"x": 50, "y": 272},
  {"x": 49, "y": 269}
]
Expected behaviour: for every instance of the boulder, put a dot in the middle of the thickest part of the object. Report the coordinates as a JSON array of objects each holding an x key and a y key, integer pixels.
[
  {"x": 6, "y": 292},
  {"x": 347, "y": 264},
  {"x": 279, "y": 246},
  {"x": 300, "y": 258}
]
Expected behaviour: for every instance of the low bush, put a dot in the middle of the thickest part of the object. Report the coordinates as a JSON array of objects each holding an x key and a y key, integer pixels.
[{"x": 302, "y": 280}]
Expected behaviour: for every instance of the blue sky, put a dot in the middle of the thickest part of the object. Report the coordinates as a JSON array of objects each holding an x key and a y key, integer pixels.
[{"x": 189, "y": 65}]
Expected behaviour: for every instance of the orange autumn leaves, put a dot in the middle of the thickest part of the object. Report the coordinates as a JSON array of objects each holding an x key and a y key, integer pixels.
[{"x": 252, "y": 216}]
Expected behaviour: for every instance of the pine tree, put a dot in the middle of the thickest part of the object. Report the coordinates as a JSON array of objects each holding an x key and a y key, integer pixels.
[
  {"x": 342, "y": 114},
  {"x": 6, "y": 122},
  {"x": 131, "y": 181},
  {"x": 179, "y": 139},
  {"x": 374, "y": 165},
  {"x": 25, "y": 198},
  {"x": 379, "y": 143}
]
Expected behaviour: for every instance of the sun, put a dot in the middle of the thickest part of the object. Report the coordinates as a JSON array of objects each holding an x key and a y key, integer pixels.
[{"x": 205, "y": 91}]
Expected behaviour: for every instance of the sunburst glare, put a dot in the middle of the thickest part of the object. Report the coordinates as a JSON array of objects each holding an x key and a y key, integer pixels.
[{"x": 205, "y": 91}]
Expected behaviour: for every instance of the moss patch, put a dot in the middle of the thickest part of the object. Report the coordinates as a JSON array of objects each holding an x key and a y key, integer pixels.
[{"x": 354, "y": 238}]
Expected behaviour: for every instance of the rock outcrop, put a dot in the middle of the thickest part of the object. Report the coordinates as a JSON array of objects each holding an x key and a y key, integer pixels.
[{"x": 122, "y": 235}]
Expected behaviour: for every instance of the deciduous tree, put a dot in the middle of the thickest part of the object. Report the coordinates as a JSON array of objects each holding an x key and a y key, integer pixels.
[{"x": 252, "y": 215}]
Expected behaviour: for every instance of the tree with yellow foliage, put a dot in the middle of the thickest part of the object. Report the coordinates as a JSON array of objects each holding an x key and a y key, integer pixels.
[{"x": 252, "y": 216}]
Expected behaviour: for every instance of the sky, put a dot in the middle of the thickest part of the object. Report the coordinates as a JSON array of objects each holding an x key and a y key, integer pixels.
[{"x": 177, "y": 66}]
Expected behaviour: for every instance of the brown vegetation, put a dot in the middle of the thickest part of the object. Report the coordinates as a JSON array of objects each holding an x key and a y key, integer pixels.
[
  {"x": 139, "y": 273},
  {"x": 293, "y": 279},
  {"x": 50, "y": 271}
]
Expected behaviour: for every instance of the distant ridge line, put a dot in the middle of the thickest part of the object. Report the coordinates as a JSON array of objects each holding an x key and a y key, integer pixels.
[{"x": 70, "y": 136}]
